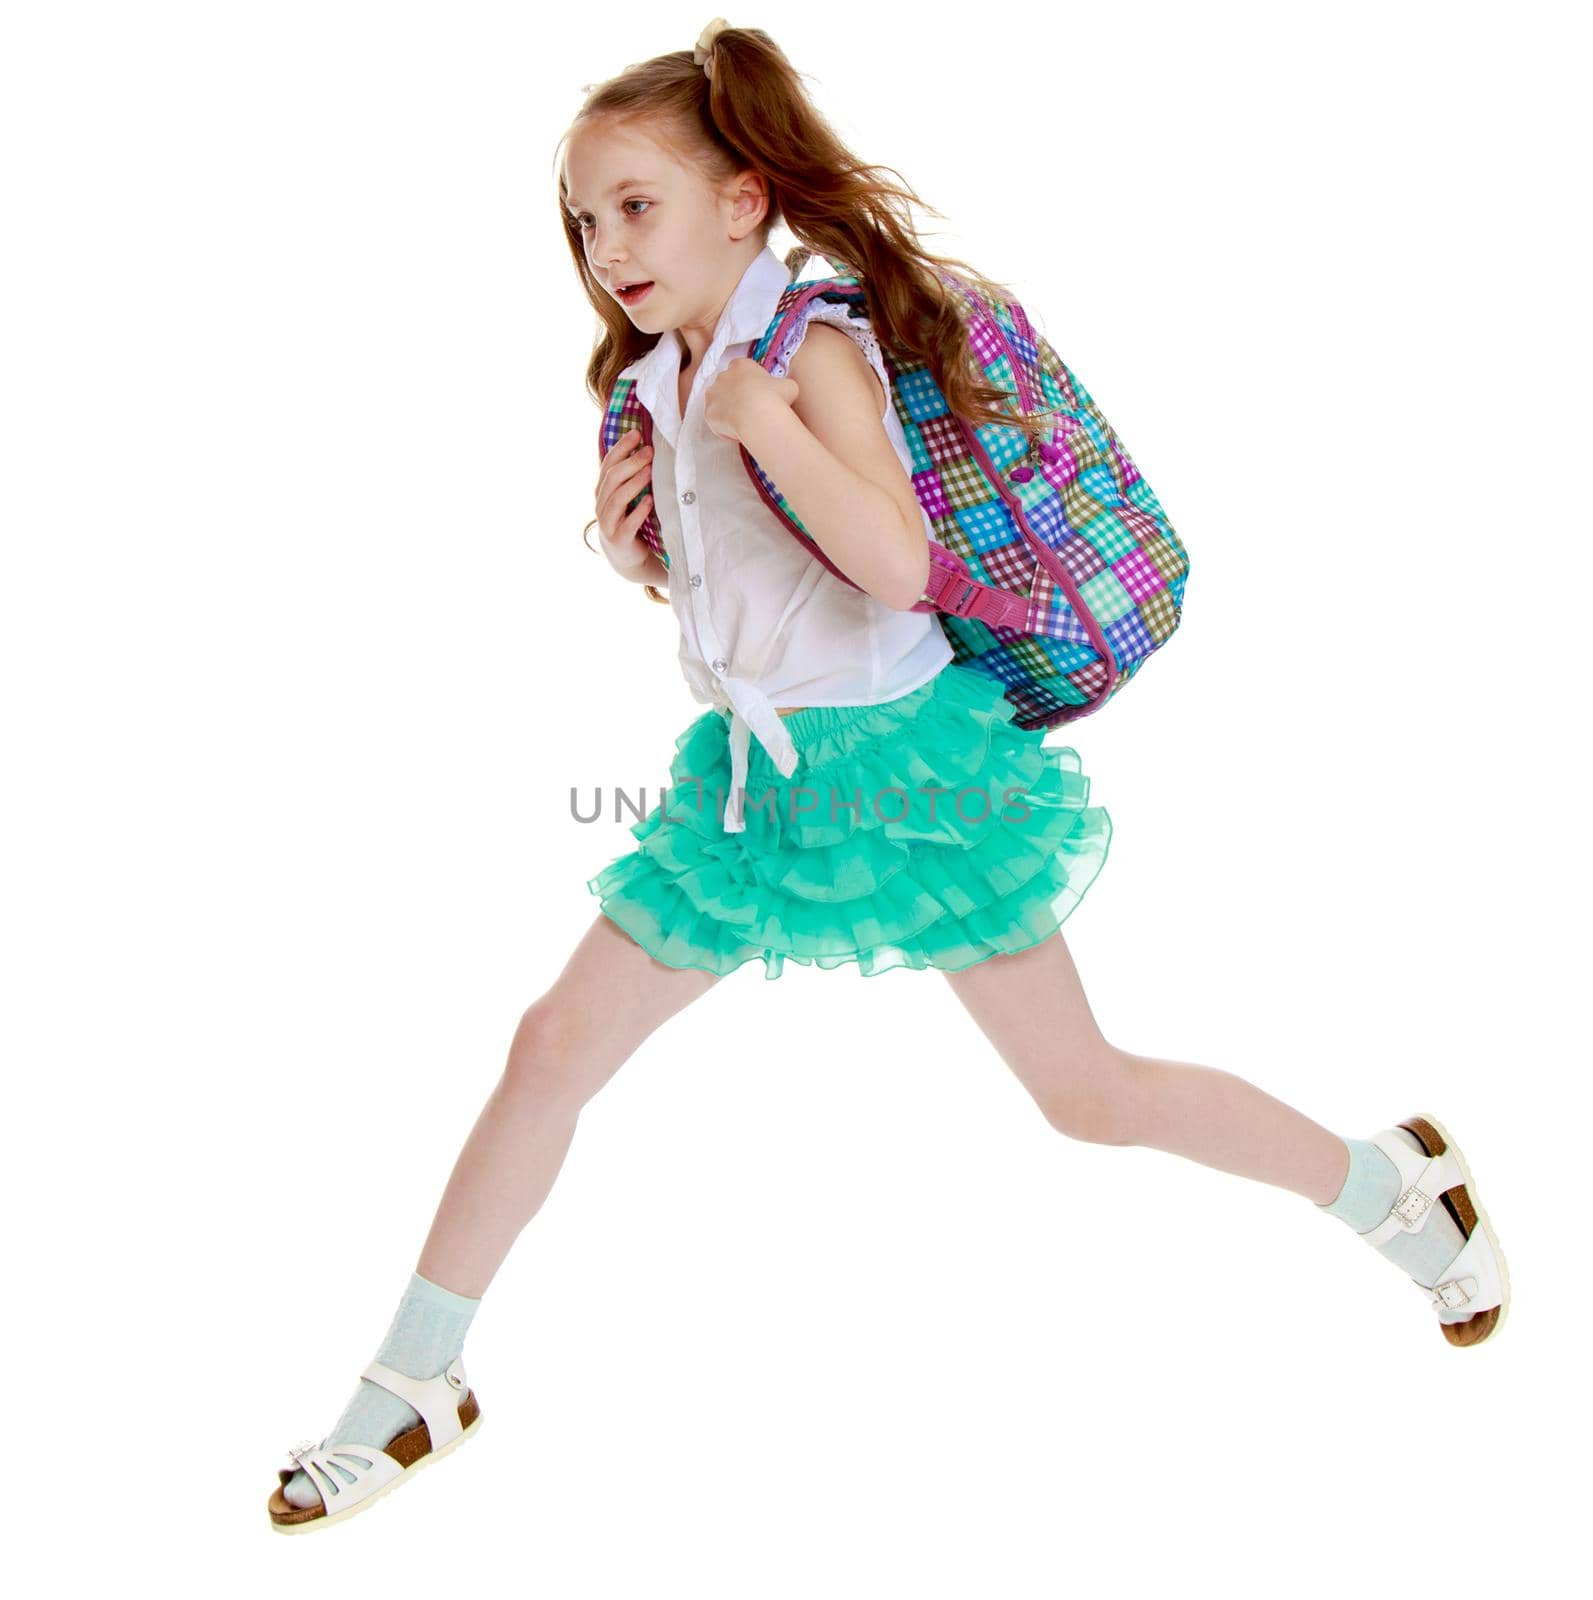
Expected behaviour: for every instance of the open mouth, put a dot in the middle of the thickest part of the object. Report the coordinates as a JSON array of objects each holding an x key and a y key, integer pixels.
[{"x": 634, "y": 293}]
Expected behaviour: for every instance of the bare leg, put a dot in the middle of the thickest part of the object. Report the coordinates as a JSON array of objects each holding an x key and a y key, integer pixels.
[
  {"x": 610, "y": 996},
  {"x": 1032, "y": 1008}
]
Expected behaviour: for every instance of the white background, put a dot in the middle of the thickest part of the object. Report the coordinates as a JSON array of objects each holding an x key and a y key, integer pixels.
[{"x": 303, "y": 652}]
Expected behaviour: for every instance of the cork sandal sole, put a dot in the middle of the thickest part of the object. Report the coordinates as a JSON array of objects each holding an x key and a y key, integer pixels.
[
  {"x": 1461, "y": 1203},
  {"x": 411, "y": 1450}
]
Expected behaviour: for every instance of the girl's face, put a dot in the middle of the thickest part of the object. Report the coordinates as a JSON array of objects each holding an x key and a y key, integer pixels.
[{"x": 645, "y": 218}]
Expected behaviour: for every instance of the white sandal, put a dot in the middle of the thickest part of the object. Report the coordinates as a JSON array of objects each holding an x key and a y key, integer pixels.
[
  {"x": 446, "y": 1422},
  {"x": 1477, "y": 1277}
]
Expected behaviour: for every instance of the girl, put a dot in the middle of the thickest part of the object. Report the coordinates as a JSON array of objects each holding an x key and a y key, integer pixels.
[{"x": 844, "y": 833}]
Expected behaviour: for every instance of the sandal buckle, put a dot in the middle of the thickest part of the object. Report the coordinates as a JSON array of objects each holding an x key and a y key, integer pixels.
[
  {"x": 1411, "y": 1207},
  {"x": 1453, "y": 1294}
]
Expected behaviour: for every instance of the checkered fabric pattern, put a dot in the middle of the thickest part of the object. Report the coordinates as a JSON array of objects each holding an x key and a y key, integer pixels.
[{"x": 1066, "y": 523}]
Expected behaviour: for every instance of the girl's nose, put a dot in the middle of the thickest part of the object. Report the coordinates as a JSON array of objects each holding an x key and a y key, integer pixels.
[{"x": 599, "y": 257}]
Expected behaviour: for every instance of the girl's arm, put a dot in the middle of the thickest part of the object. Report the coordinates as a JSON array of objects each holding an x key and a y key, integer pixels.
[{"x": 830, "y": 455}]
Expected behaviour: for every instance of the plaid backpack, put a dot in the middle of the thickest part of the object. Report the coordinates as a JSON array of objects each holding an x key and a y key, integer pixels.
[{"x": 1053, "y": 568}]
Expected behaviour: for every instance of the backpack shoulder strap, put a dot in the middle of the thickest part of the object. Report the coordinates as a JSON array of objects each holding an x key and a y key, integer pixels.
[
  {"x": 624, "y": 412},
  {"x": 951, "y": 587}
]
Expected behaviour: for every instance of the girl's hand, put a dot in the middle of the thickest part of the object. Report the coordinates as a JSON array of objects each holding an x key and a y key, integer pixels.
[
  {"x": 740, "y": 391},
  {"x": 623, "y": 470}
]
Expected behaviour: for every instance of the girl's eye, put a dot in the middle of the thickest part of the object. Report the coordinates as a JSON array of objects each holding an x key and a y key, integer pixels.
[{"x": 584, "y": 218}]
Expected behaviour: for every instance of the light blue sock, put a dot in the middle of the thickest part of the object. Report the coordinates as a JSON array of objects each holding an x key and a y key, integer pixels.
[
  {"x": 1371, "y": 1187},
  {"x": 427, "y": 1332}
]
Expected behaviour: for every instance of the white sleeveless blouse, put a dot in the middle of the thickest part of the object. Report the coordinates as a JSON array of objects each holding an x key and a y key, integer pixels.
[{"x": 762, "y": 622}]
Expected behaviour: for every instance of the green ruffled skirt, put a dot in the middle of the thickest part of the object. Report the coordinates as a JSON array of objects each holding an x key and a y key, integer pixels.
[{"x": 930, "y": 831}]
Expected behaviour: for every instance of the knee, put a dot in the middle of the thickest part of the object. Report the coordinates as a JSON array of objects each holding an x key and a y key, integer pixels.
[
  {"x": 1096, "y": 1100},
  {"x": 544, "y": 1055}
]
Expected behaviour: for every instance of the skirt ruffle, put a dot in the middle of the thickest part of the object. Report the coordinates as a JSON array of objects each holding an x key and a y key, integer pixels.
[{"x": 930, "y": 831}]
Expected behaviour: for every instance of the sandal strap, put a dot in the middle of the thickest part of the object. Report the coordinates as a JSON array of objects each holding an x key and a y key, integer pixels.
[
  {"x": 323, "y": 1466},
  {"x": 1422, "y": 1180},
  {"x": 436, "y": 1399},
  {"x": 1472, "y": 1280}
]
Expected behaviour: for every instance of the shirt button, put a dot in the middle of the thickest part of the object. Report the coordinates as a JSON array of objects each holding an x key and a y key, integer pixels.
[
  {"x": 696, "y": 580},
  {"x": 720, "y": 664},
  {"x": 689, "y": 498}
]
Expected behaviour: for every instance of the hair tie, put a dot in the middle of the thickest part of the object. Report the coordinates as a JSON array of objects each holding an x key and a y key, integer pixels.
[{"x": 703, "y": 49}]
